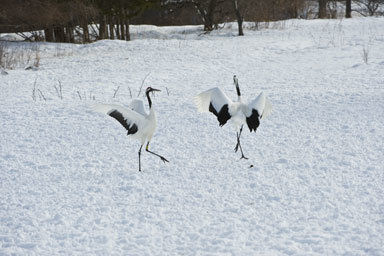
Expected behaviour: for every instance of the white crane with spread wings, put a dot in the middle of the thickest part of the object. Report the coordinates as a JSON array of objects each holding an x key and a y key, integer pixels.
[
  {"x": 214, "y": 100},
  {"x": 139, "y": 124}
]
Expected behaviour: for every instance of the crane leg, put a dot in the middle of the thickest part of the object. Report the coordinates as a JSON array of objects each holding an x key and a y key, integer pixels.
[
  {"x": 139, "y": 158},
  {"x": 238, "y": 134},
  {"x": 238, "y": 145},
  {"x": 162, "y": 158}
]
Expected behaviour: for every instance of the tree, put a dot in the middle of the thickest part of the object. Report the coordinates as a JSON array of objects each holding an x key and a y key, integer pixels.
[
  {"x": 239, "y": 17},
  {"x": 370, "y": 7},
  {"x": 348, "y": 9},
  {"x": 322, "y": 9},
  {"x": 115, "y": 16},
  {"x": 206, "y": 9}
]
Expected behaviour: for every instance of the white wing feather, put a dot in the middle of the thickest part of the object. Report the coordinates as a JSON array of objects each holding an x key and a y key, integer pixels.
[
  {"x": 138, "y": 106},
  {"x": 262, "y": 105},
  {"x": 214, "y": 96},
  {"x": 267, "y": 108},
  {"x": 128, "y": 114}
]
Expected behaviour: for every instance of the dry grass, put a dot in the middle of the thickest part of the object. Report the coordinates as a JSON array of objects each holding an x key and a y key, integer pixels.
[{"x": 15, "y": 55}]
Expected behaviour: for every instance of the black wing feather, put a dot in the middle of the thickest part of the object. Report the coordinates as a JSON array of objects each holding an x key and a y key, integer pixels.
[
  {"x": 253, "y": 120},
  {"x": 131, "y": 128},
  {"x": 222, "y": 116}
]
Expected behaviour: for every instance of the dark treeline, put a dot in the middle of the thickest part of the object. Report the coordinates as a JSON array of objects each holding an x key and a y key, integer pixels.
[
  {"x": 210, "y": 13},
  {"x": 87, "y": 20},
  {"x": 66, "y": 20},
  {"x": 70, "y": 20}
]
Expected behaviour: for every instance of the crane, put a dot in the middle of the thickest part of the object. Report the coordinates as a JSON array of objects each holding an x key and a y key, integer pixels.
[
  {"x": 214, "y": 100},
  {"x": 138, "y": 123}
]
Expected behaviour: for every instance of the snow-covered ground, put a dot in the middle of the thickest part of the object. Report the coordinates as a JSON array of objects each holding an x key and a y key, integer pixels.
[{"x": 69, "y": 180}]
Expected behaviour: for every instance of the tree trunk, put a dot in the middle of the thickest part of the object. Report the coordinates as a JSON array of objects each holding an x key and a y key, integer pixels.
[
  {"x": 59, "y": 34},
  {"x": 322, "y": 9},
  {"x": 49, "y": 36},
  {"x": 127, "y": 34},
  {"x": 348, "y": 9},
  {"x": 102, "y": 29},
  {"x": 208, "y": 25},
  {"x": 69, "y": 34},
  {"x": 111, "y": 29},
  {"x": 239, "y": 18},
  {"x": 118, "y": 27},
  {"x": 85, "y": 33},
  {"x": 295, "y": 11},
  {"x": 122, "y": 27}
]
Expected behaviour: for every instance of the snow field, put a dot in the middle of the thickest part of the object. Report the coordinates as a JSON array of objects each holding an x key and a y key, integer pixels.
[{"x": 69, "y": 179}]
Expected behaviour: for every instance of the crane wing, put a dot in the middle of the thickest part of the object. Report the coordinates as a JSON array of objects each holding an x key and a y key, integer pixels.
[
  {"x": 128, "y": 118},
  {"x": 267, "y": 108},
  {"x": 215, "y": 101},
  {"x": 259, "y": 108},
  {"x": 138, "y": 106}
]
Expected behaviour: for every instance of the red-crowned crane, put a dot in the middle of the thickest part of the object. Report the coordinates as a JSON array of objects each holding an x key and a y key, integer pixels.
[
  {"x": 139, "y": 124},
  {"x": 215, "y": 101}
]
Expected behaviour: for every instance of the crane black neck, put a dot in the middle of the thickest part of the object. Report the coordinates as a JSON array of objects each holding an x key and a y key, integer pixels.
[
  {"x": 238, "y": 90},
  {"x": 149, "y": 100}
]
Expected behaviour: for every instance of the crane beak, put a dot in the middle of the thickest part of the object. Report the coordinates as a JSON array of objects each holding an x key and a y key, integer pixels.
[{"x": 154, "y": 90}]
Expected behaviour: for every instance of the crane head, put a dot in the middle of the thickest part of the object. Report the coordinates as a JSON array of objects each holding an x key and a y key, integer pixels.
[
  {"x": 150, "y": 89},
  {"x": 235, "y": 80}
]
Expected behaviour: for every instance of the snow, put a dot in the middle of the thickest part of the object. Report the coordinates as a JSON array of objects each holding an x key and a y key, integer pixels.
[{"x": 69, "y": 183}]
